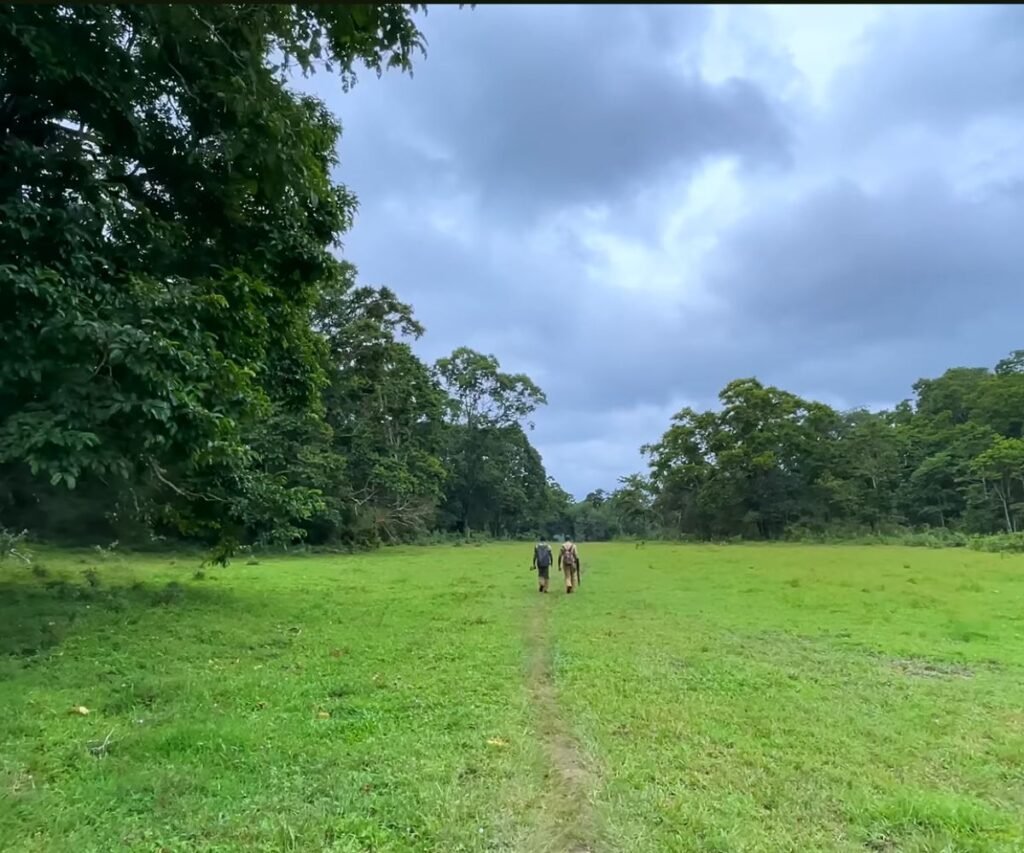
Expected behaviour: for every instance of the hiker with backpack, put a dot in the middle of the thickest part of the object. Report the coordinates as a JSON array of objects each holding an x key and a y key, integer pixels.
[
  {"x": 569, "y": 562},
  {"x": 542, "y": 563}
]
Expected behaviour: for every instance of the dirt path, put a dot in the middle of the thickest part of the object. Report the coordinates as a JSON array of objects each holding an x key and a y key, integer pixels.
[{"x": 566, "y": 822}]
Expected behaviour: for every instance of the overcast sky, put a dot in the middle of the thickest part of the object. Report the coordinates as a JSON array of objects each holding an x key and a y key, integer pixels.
[{"x": 635, "y": 205}]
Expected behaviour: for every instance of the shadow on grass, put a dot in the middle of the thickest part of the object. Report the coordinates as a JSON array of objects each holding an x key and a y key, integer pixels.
[{"x": 37, "y": 612}]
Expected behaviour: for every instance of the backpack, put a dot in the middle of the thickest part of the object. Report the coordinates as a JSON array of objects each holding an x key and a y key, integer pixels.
[
  {"x": 569, "y": 555},
  {"x": 543, "y": 556}
]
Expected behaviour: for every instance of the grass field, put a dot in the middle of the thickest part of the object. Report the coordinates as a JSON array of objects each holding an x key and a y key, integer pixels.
[{"x": 689, "y": 698}]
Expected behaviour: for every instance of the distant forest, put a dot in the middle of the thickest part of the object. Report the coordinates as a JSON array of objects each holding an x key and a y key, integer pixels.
[{"x": 185, "y": 357}]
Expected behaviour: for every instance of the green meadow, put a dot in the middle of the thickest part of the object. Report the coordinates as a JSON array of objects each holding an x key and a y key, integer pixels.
[{"x": 739, "y": 698}]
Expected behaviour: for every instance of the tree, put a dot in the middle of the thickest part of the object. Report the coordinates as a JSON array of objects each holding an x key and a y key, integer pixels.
[
  {"x": 872, "y": 454},
  {"x": 1013, "y": 363},
  {"x": 555, "y": 515},
  {"x": 493, "y": 468},
  {"x": 682, "y": 466},
  {"x": 385, "y": 410},
  {"x": 1001, "y": 467},
  {"x": 168, "y": 215},
  {"x": 998, "y": 403},
  {"x": 632, "y": 505},
  {"x": 951, "y": 394},
  {"x": 482, "y": 396}
]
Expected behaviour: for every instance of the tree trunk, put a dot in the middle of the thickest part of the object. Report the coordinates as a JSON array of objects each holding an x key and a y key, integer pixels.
[{"x": 1004, "y": 497}]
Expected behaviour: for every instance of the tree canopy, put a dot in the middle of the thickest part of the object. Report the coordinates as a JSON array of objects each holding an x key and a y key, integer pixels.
[
  {"x": 183, "y": 351},
  {"x": 182, "y": 347},
  {"x": 767, "y": 462}
]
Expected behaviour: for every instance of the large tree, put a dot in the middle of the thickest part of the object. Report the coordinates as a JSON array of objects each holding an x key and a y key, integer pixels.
[
  {"x": 386, "y": 412},
  {"x": 496, "y": 479},
  {"x": 167, "y": 220}
]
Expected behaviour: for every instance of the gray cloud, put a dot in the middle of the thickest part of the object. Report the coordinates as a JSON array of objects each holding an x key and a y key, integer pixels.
[
  {"x": 860, "y": 266},
  {"x": 852, "y": 264},
  {"x": 528, "y": 109},
  {"x": 939, "y": 66}
]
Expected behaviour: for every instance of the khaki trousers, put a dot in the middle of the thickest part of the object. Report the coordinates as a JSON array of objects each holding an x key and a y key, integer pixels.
[{"x": 572, "y": 576}]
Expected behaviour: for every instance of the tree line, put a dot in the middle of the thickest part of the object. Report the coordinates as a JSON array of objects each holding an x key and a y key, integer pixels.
[
  {"x": 768, "y": 464},
  {"x": 184, "y": 355}
]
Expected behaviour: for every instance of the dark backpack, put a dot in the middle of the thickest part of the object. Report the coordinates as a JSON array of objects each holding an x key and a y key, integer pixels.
[{"x": 542, "y": 554}]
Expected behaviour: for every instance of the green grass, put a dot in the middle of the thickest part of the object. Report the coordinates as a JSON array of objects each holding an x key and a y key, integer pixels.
[{"x": 737, "y": 698}]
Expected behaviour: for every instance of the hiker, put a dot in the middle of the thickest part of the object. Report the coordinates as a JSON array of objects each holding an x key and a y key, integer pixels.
[
  {"x": 569, "y": 563},
  {"x": 542, "y": 563}
]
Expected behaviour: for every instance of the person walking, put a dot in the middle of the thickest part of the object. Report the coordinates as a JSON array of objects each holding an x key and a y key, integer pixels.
[
  {"x": 569, "y": 563},
  {"x": 542, "y": 563}
]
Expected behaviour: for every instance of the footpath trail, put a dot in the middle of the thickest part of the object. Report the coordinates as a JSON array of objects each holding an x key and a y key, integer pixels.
[{"x": 566, "y": 822}]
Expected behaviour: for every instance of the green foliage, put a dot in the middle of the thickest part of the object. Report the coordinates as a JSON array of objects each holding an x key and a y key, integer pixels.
[
  {"x": 184, "y": 355},
  {"x": 386, "y": 413},
  {"x": 482, "y": 397},
  {"x": 1007, "y": 543},
  {"x": 1001, "y": 467},
  {"x": 496, "y": 479},
  {"x": 768, "y": 464},
  {"x": 167, "y": 220}
]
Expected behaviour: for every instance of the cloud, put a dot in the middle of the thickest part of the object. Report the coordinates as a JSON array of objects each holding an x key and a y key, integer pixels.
[
  {"x": 940, "y": 66},
  {"x": 530, "y": 110},
  {"x": 636, "y": 205},
  {"x": 853, "y": 265}
]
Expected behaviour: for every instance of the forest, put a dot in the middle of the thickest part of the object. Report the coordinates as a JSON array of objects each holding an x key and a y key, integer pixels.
[{"x": 186, "y": 355}]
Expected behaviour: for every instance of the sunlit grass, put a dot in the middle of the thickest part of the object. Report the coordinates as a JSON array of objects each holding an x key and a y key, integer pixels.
[
  {"x": 776, "y": 698},
  {"x": 740, "y": 698}
]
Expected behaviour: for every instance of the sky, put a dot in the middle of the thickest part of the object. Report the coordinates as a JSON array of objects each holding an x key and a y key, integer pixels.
[{"x": 635, "y": 205}]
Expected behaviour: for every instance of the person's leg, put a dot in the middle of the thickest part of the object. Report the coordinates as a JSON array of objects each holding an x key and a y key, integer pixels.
[{"x": 567, "y": 571}]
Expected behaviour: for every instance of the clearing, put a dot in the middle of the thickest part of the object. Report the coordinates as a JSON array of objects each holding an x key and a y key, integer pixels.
[{"x": 741, "y": 698}]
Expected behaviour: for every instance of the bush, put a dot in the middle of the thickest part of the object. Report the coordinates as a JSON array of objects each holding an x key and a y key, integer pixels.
[
  {"x": 940, "y": 537},
  {"x": 999, "y": 543}
]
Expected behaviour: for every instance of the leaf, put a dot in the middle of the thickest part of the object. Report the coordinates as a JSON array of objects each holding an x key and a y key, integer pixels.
[
  {"x": 497, "y": 741},
  {"x": 80, "y": 710}
]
